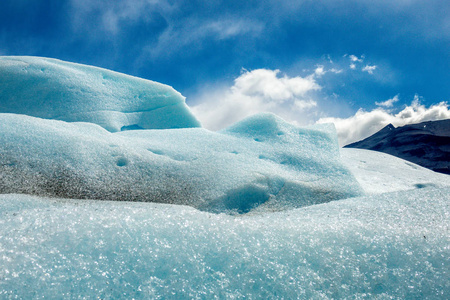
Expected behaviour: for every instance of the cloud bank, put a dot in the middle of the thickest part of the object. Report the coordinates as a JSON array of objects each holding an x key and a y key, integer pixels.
[
  {"x": 260, "y": 90},
  {"x": 365, "y": 123}
]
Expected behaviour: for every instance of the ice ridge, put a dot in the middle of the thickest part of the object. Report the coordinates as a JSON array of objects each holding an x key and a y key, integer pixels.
[
  {"x": 54, "y": 89},
  {"x": 239, "y": 169}
]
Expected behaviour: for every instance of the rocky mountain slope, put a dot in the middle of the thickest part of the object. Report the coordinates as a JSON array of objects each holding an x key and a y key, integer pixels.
[{"x": 426, "y": 144}]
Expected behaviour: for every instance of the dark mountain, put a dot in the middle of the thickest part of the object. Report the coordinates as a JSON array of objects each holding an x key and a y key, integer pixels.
[{"x": 426, "y": 144}]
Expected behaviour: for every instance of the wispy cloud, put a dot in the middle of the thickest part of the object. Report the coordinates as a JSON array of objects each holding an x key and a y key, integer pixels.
[
  {"x": 194, "y": 33},
  {"x": 336, "y": 71},
  {"x": 260, "y": 90},
  {"x": 320, "y": 70},
  {"x": 389, "y": 102},
  {"x": 113, "y": 17},
  {"x": 227, "y": 28},
  {"x": 365, "y": 123}
]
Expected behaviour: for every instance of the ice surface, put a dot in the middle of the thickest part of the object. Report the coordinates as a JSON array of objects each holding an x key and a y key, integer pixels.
[
  {"x": 386, "y": 246},
  {"x": 54, "y": 89},
  {"x": 262, "y": 162},
  {"x": 378, "y": 172}
]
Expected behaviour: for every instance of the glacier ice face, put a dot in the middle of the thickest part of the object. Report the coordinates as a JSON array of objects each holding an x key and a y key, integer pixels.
[
  {"x": 389, "y": 246},
  {"x": 262, "y": 163},
  {"x": 54, "y": 89}
]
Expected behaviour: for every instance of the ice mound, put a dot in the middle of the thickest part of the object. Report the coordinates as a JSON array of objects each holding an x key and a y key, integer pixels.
[
  {"x": 260, "y": 164},
  {"x": 389, "y": 246},
  {"x": 53, "y": 89}
]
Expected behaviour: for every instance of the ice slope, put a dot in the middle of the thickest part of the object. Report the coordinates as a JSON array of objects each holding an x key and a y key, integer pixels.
[
  {"x": 54, "y": 89},
  {"x": 378, "y": 172},
  {"x": 387, "y": 246},
  {"x": 260, "y": 163}
]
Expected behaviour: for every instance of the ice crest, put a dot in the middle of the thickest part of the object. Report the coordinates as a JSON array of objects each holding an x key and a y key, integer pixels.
[{"x": 54, "y": 89}]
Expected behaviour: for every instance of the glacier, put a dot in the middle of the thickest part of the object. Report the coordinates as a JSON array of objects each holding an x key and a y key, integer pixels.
[
  {"x": 262, "y": 209},
  {"x": 54, "y": 89}
]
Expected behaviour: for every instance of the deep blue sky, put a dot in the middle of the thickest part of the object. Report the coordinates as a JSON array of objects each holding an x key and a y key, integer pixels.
[{"x": 196, "y": 46}]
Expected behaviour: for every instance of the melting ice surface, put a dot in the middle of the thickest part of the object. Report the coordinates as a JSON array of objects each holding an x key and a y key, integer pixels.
[{"x": 264, "y": 209}]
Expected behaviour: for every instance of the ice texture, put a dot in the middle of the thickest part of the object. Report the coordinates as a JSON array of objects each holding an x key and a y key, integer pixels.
[
  {"x": 54, "y": 89},
  {"x": 379, "y": 172},
  {"x": 261, "y": 163},
  {"x": 387, "y": 246}
]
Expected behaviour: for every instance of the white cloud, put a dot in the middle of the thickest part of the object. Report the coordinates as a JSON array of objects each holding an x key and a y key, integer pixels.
[
  {"x": 388, "y": 103},
  {"x": 354, "y": 58},
  {"x": 267, "y": 84},
  {"x": 256, "y": 91},
  {"x": 369, "y": 69},
  {"x": 319, "y": 71},
  {"x": 366, "y": 123}
]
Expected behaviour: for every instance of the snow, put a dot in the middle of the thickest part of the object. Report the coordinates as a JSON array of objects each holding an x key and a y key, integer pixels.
[
  {"x": 391, "y": 245},
  {"x": 378, "y": 172},
  {"x": 54, "y": 89},
  {"x": 262, "y": 162}
]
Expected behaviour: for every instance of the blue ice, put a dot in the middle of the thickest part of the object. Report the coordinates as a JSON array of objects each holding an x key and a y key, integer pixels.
[
  {"x": 261, "y": 163},
  {"x": 54, "y": 89}
]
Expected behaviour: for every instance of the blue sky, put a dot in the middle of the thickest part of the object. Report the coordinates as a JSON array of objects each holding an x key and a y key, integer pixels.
[{"x": 307, "y": 61}]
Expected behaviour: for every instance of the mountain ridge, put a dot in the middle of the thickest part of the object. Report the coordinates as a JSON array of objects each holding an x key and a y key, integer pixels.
[{"x": 426, "y": 144}]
